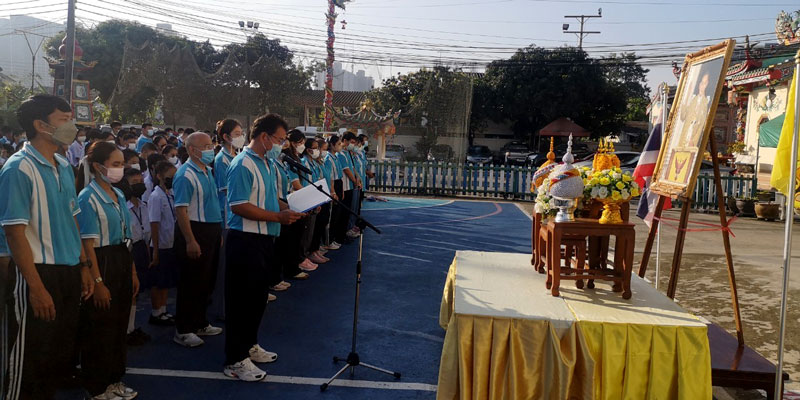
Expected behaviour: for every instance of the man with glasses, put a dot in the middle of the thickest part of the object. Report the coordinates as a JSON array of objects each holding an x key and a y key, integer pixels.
[
  {"x": 255, "y": 220},
  {"x": 197, "y": 241}
]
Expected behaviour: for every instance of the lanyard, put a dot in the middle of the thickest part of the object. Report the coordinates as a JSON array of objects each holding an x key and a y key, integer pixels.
[{"x": 171, "y": 208}]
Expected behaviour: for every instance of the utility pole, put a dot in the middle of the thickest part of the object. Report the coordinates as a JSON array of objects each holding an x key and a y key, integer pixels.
[
  {"x": 34, "y": 51},
  {"x": 582, "y": 33},
  {"x": 69, "y": 58}
]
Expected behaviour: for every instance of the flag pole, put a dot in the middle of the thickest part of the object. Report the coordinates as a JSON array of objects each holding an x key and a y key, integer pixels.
[
  {"x": 664, "y": 95},
  {"x": 789, "y": 220}
]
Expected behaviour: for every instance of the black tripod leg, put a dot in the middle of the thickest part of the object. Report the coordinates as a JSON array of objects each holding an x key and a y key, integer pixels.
[
  {"x": 385, "y": 371},
  {"x": 341, "y": 371}
]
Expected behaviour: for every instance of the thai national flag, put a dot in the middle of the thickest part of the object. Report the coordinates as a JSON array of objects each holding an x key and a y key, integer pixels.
[{"x": 643, "y": 174}]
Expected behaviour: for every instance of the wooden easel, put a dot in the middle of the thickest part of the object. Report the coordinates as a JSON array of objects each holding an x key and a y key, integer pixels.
[{"x": 679, "y": 241}]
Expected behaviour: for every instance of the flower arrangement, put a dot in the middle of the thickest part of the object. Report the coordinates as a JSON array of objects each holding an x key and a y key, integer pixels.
[
  {"x": 612, "y": 184},
  {"x": 544, "y": 202}
]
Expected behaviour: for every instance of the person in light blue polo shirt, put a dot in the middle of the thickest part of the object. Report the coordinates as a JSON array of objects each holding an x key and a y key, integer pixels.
[
  {"x": 231, "y": 136},
  {"x": 255, "y": 221},
  {"x": 105, "y": 226},
  {"x": 38, "y": 205},
  {"x": 197, "y": 242},
  {"x": 146, "y": 136}
]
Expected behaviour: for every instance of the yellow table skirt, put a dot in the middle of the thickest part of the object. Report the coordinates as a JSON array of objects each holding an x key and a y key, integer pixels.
[{"x": 507, "y": 338}]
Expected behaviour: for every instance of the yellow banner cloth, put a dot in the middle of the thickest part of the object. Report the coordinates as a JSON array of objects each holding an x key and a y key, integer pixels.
[{"x": 781, "y": 171}]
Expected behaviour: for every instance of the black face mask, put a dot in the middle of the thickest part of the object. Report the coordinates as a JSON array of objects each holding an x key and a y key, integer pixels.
[
  {"x": 125, "y": 188},
  {"x": 138, "y": 189},
  {"x": 168, "y": 183}
]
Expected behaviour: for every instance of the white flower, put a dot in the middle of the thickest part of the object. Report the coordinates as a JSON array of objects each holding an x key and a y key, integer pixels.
[
  {"x": 625, "y": 194},
  {"x": 594, "y": 191},
  {"x": 538, "y": 208},
  {"x": 616, "y": 176},
  {"x": 602, "y": 192}
]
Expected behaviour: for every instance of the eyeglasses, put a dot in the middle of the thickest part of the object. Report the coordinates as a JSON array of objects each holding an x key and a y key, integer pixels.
[{"x": 275, "y": 140}]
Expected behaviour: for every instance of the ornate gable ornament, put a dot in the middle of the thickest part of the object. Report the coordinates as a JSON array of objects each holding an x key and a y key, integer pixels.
[{"x": 787, "y": 27}]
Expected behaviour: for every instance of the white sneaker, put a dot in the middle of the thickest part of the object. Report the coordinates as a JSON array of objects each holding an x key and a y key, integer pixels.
[
  {"x": 244, "y": 370},
  {"x": 352, "y": 234},
  {"x": 278, "y": 288},
  {"x": 122, "y": 390},
  {"x": 271, "y": 297},
  {"x": 259, "y": 355},
  {"x": 187, "y": 339},
  {"x": 334, "y": 246},
  {"x": 107, "y": 396},
  {"x": 209, "y": 331},
  {"x": 285, "y": 284}
]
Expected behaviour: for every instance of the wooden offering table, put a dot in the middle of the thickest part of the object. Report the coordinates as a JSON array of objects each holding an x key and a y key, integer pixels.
[{"x": 553, "y": 236}]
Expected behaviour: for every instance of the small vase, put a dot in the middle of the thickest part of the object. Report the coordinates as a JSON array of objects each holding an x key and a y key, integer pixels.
[{"x": 611, "y": 213}]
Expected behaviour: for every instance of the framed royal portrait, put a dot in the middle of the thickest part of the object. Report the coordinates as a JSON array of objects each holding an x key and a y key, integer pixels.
[
  {"x": 690, "y": 120},
  {"x": 83, "y": 113},
  {"x": 81, "y": 90}
]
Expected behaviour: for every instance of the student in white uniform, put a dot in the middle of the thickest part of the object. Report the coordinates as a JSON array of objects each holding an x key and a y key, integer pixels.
[{"x": 163, "y": 272}]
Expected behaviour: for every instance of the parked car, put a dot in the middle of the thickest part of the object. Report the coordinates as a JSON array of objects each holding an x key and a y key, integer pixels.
[
  {"x": 395, "y": 152},
  {"x": 479, "y": 155},
  {"x": 514, "y": 153},
  {"x": 535, "y": 160}
]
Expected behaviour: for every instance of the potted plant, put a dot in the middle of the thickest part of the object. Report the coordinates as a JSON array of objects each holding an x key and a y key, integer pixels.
[
  {"x": 765, "y": 209},
  {"x": 747, "y": 206}
]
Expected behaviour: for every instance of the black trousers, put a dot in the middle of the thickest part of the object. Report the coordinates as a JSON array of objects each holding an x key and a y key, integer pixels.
[
  {"x": 248, "y": 258},
  {"x": 340, "y": 231},
  {"x": 197, "y": 276},
  {"x": 320, "y": 226},
  {"x": 288, "y": 253},
  {"x": 103, "y": 332},
  {"x": 41, "y": 352}
]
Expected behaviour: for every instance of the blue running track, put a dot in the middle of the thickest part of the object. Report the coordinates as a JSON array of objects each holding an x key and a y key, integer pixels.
[{"x": 404, "y": 272}]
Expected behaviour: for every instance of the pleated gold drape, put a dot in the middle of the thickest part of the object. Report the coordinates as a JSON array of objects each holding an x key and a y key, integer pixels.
[{"x": 498, "y": 357}]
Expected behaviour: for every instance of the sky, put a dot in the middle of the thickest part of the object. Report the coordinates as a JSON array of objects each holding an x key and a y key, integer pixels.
[{"x": 389, "y": 37}]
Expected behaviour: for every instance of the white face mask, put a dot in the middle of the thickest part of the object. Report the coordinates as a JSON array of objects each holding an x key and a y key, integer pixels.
[
  {"x": 151, "y": 132},
  {"x": 81, "y": 139},
  {"x": 301, "y": 149},
  {"x": 238, "y": 142},
  {"x": 136, "y": 167},
  {"x": 366, "y": 143},
  {"x": 315, "y": 153},
  {"x": 132, "y": 146},
  {"x": 173, "y": 160},
  {"x": 324, "y": 153}
]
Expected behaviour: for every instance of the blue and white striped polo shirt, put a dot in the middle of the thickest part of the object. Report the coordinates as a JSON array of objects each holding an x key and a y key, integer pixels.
[
  {"x": 281, "y": 178},
  {"x": 355, "y": 159},
  {"x": 141, "y": 141},
  {"x": 251, "y": 180},
  {"x": 221, "y": 163},
  {"x": 332, "y": 173},
  {"x": 197, "y": 190},
  {"x": 343, "y": 162},
  {"x": 42, "y": 196},
  {"x": 106, "y": 221}
]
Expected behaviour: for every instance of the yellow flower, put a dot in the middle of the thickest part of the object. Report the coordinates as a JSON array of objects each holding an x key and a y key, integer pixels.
[
  {"x": 634, "y": 191},
  {"x": 593, "y": 181},
  {"x": 604, "y": 181},
  {"x": 620, "y": 185},
  {"x": 626, "y": 178},
  {"x": 615, "y": 195}
]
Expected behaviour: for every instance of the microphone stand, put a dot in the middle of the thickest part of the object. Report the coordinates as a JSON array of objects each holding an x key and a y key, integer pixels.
[{"x": 352, "y": 360}]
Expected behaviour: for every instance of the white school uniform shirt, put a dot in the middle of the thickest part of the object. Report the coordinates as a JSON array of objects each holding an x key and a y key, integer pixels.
[
  {"x": 140, "y": 221},
  {"x": 162, "y": 209},
  {"x": 148, "y": 184}
]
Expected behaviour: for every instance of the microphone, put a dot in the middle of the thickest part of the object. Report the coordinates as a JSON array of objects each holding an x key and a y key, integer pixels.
[{"x": 294, "y": 164}]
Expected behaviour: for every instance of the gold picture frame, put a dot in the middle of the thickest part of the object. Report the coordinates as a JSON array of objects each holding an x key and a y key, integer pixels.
[{"x": 690, "y": 120}]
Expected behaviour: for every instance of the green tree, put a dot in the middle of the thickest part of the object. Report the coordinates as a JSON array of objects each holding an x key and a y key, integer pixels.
[
  {"x": 12, "y": 94},
  {"x": 536, "y": 86},
  {"x": 624, "y": 70}
]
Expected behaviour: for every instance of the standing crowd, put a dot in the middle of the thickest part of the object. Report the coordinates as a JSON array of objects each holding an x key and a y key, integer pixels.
[{"x": 92, "y": 219}]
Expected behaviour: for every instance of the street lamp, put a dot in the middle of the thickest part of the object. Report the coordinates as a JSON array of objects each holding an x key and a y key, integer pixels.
[{"x": 248, "y": 26}]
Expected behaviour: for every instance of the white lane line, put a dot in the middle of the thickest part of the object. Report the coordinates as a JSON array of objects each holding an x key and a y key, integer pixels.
[
  {"x": 524, "y": 211},
  {"x": 401, "y": 207},
  {"x": 401, "y": 256},
  {"x": 294, "y": 380}
]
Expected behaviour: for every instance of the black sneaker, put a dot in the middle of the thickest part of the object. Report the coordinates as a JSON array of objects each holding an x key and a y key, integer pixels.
[
  {"x": 161, "y": 320},
  {"x": 138, "y": 337}
]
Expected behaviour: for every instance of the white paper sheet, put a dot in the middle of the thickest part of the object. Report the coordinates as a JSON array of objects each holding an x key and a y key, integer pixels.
[{"x": 309, "y": 198}]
